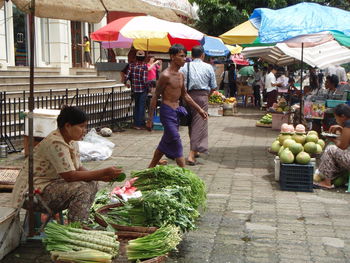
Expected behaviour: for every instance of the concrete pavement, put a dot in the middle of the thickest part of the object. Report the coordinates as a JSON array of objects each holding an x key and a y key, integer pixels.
[{"x": 248, "y": 219}]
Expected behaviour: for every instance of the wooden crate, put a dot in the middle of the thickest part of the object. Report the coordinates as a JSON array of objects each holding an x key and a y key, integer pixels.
[
  {"x": 244, "y": 90},
  {"x": 8, "y": 176}
]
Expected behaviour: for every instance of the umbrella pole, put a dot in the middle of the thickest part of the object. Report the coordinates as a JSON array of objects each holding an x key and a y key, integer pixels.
[
  {"x": 301, "y": 82},
  {"x": 30, "y": 120}
]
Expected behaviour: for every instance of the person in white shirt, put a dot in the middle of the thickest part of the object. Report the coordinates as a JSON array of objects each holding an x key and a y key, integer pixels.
[
  {"x": 271, "y": 87},
  {"x": 340, "y": 72}
]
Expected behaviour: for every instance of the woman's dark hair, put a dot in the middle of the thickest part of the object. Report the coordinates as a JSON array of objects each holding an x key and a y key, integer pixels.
[
  {"x": 177, "y": 48},
  {"x": 342, "y": 109},
  {"x": 71, "y": 115},
  {"x": 86, "y": 38},
  {"x": 333, "y": 79}
]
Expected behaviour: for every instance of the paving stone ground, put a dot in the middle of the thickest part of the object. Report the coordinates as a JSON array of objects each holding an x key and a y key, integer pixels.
[{"x": 248, "y": 219}]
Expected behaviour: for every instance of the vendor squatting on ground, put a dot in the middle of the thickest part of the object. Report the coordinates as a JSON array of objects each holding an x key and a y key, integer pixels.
[
  {"x": 58, "y": 173},
  {"x": 336, "y": 158}
]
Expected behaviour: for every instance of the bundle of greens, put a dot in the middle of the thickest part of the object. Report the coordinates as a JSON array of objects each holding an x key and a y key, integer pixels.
[
  {"x": 102, "y": 198},
  {"x": 82, "y": 256},
  {"x": 156, "y": 208},
  {"x": 70, "y": 239},
  {"x": 157, "y": 244},
  {"x": 163, "y": 176}
]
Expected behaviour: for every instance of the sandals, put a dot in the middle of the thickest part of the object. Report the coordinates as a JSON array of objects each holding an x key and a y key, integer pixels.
[
  {"x": 190, "y": 163},
  {"x": 318, "y": 186}
]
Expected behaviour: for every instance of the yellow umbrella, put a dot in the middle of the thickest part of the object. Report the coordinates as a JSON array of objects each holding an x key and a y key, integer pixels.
[
  {"x": 234, "y": 49},
  {"x": 244, "y": 33}
]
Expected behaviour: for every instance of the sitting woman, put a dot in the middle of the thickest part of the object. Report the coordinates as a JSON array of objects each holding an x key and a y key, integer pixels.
[
  {"x": 59, "y": 177},
  {"x": 336, "y": 158}
]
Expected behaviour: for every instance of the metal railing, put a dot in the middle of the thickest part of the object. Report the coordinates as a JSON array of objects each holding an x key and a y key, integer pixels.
[{"x": 110, "y": 107}]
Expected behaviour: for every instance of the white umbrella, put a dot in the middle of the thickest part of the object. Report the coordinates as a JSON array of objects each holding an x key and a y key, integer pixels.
[
  {"x": 93, "y": 10},
  {"x": 271, "y": 54},
  {"x": 320, "y": 50}
]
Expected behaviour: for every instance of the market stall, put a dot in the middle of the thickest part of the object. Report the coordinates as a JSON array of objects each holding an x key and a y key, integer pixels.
[
  {"x": 141, "y": 221},
  {"x": 295, "y": 152}
]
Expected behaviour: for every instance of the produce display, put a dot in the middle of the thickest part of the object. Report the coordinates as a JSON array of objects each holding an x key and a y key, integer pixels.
[
  {"x": 280, "y": 106},
  {"x": 295, "y": 146},
  {"x": 230, "y": 100},
  {"x": 168, "y": 206},
  {"x": 80, "y": 245},
  {"x": 156, "y": 244},
  {"x": 216, "y": 98},
  {"x": 163, "y": 176},
  {"x": 266, "y": 119}
]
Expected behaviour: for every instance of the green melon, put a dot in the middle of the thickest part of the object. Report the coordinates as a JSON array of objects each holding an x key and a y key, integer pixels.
[
  {"x": 288, "y": 142},
  {"x": 321, "y": 142},
  {"x": 302, "y": 158},
  {"x": 287, "y": 156},
  {"x": 296, "y": 148},
  {"x": 275, "y": 146},
  {"x": 310, "y": 147}
]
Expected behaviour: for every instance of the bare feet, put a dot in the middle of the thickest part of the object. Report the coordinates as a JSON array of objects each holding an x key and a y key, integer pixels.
[{"x": 162, "y": 162}]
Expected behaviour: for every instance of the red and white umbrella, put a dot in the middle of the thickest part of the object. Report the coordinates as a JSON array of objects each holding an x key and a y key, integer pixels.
[{"x": 149, "y": 33}]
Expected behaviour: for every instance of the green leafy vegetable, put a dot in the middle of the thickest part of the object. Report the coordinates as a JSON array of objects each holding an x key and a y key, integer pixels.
[
  {"x": 156, "y": 208},
  {"x": 165, "y": 176},
  {"x": 156, "y": 244}
]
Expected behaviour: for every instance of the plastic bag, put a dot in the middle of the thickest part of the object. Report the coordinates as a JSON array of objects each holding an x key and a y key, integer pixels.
[{"x": 95, "y": 147}]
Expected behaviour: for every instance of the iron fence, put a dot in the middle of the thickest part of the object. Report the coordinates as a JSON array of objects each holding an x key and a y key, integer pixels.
[{"x": 105, "y": 107}]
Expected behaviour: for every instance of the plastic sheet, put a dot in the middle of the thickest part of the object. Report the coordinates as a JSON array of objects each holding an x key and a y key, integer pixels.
[{"x": 95, "y": 147}]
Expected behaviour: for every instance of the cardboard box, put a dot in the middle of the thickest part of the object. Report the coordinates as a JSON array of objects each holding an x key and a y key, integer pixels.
[
  {"x": 215, "y": 110},
  {"x": 10, "y": 230}
]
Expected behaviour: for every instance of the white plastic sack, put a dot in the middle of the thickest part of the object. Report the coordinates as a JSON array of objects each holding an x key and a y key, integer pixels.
[{"x": 94, "y": 147}]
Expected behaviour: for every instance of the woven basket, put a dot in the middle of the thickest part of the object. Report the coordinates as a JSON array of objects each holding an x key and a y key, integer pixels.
[
  {"x": 104, "y": 210},
  {"x": 8, "y": 176}
]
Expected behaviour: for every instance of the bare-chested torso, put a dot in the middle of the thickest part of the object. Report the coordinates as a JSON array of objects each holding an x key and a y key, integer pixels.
[{"x": 173, "y": 83}]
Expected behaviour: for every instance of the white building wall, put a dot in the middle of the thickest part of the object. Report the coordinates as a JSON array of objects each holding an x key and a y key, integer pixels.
[
  {"x": 96, "y": 51},
  {"x": 52, "y": 42},
  {"x": 7, "y": 51},
  {"x": 60, "y": 53}
]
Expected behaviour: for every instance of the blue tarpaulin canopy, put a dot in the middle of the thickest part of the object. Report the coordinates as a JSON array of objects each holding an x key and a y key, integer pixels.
[
  {"x": 301, "y": 19},
  {"x": 214, "y": 47}
]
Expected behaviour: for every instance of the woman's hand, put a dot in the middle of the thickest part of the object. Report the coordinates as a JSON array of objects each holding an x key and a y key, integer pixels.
[
  {"x": 111, "y": 173},
  {"x": 335, "y": 128}
]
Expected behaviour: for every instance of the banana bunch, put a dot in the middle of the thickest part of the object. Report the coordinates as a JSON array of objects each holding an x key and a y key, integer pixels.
[{"x": 230, "y": 100}]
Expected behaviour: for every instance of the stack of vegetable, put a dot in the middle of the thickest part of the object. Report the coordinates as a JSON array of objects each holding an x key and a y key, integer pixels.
[
  {"x": 159, "y": 243},
  {"x": 280, "y": 106},
  {"x": 157, "y": 208},
  {"x": 163, "y": 176},
  {"x": 80, "y": 245},
  {"x": 266, "y": 119}
]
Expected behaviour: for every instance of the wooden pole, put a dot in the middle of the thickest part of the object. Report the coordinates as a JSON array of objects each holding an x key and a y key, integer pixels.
[
  {"x": 30, "y": 120},
  {"x": 301, "y": 82}
]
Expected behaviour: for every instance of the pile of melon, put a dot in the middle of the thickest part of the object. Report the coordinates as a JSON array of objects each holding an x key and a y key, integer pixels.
[{"x": 295, "y": 145}]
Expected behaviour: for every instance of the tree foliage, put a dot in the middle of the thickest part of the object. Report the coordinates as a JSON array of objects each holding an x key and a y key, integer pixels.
[{"x": 216, "y": 18}]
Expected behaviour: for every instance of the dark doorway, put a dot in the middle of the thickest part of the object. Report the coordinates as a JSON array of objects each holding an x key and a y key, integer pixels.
[
  {"x": 77, "y": 54},
  {"x": 20, "y": 37}
]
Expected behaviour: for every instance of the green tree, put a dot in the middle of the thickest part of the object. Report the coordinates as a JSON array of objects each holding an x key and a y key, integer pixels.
[{"x": 216, "y": 17}]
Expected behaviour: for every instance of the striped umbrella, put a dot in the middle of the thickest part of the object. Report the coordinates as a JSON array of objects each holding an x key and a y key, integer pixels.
[{"x": 149, "y": 33}]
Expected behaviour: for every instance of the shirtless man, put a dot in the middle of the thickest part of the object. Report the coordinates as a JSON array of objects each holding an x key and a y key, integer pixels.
[{"x": 171, "y": 87}]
